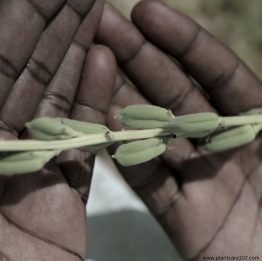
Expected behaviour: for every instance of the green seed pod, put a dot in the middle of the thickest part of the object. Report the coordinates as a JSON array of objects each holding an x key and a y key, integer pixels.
[
  {"x": 24, "y": 162},
  {"x": 84, "y": 127},
  {"x": 140, "y": 151},
  {"x": 50, "y": 129},
  {"x": 231, "y": 139},
  {"x": 252, "y": 112},
  {"x": 144, "y": 116},
  {"x": 194, "y": 125},
  {"x": 142, "y": 124}
]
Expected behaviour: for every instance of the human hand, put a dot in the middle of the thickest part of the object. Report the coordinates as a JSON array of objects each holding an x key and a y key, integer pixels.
[
  {"x": 47, "y": 68},
  {"x": 207, "y": 204}
]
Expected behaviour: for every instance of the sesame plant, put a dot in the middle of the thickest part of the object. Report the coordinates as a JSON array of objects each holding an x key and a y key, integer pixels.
[{"x": 150, "y": 127}]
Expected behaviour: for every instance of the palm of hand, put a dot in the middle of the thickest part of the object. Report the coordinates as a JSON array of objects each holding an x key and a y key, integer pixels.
[
  {"x": 220, "y": 213},
  {"x": 42, "y": 215},
  {"x": 201, "y": 202},
  {"x": 208, "y": 205}
]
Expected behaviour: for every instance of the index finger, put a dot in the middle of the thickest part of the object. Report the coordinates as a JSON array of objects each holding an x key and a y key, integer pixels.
[{"x": 219, "y": 70}]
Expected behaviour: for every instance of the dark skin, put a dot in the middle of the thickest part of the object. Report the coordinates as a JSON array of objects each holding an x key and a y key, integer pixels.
[
  {"x": 49, "y": 68},
  {"x": 208, "y": 205}
]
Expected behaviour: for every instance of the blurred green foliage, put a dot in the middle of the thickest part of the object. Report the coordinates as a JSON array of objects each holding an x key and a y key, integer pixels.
[{"x": 235, "y": 22}]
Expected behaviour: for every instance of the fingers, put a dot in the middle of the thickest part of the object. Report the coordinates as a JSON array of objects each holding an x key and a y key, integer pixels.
[
  {"x": 95, "y": 91},
  {"x": 60, "y": 228},
  {"x": 139, "y": 176},
  {"x": 59, "y": 95},
  {"x": 21, "y": 24},
  {"x": 48, "y": 54},
  {"x": 46, "y": 193},
  {"x": 155, "y": 74},
  {"x": 153, "y": 181},
  {"x": 178, "y": 211},
  {"x": 126, "y": 94},
  {"x": 86, "y": 32},
  {"x": 226, "y": 78},
  {"x": 167, "y": 86},
  {"x": 91, "y": 104}
]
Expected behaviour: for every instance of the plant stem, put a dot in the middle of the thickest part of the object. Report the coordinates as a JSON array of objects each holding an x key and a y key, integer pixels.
[
  {"x": 95, "y": 139},
  {"x": 233, "y": 121},
  {"x": 82, "y": 141}
]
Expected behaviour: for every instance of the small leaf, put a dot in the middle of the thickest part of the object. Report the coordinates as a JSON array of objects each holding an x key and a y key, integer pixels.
[
  {"x": 144, "y": 117},
  {"x": 194, "y": 125},
  {"x": 138, "y": 152},
  {"x": 231, "y": 139},
  {"x": 50, "y": 129},
  {"x": 24, "y": 162}
]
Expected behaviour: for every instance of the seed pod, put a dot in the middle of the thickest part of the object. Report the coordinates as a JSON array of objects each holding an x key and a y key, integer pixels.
[
  {"x": 84, "y": 127},
  {"x": 252, "y": 112},
  {"x": 194, "y": 125},
  {"x": 24, "y": 162},
  {"x": 137, "y": 152},
  {"x": 231, "y": 139},
  {"x": 144, "y": 116},
  {"x": 50, "y": 129}
]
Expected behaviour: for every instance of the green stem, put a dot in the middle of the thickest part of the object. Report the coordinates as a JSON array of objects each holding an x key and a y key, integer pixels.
[
  {"x": 82, "y": 141},
  {"x": 227, "y": 122},
  {"x": 95, "y": 139}
]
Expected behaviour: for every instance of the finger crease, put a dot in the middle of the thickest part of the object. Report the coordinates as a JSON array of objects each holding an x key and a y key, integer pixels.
[
  {"x": 8, "y": 127},
  {"x": 190, "y": 44},
  {"x": 39, "y": 71},
  {"x": 256, "y": 221},
  {"x": 80, "y": 45},
  {"x": 203, "y": 249},
  {"x": 224, "y": 79},
  {"x": 37, "y": 9},
  {"x": 257, "y": 198},
  {"x": 249, "y": 177},
  {"x": 120, "y": 87},
  {"x": 7, "y": 68},
  {"x": 172, "y": 202},
  {"x": 177, "y": 101},
  {"x": 74, "y": 9},
  {"x": 134, "y": 55},
  {"x": 34, "y": 235},
  {"x": 59, "y": 101},
  {"x": 83, "y": 104},
  {"x": 77, "y": 8}
]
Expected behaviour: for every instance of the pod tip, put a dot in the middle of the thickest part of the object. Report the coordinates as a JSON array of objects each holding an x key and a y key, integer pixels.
[{"x": 118, "y": 117}]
